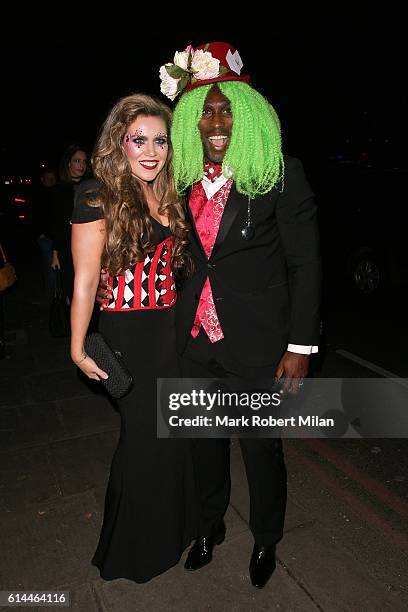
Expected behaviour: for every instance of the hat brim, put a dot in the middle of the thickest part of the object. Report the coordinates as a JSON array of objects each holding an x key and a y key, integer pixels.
[{"x": 224, "y": 77}]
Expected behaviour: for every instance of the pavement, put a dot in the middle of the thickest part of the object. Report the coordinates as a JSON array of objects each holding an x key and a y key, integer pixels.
[{"x": 345, "y": 544}]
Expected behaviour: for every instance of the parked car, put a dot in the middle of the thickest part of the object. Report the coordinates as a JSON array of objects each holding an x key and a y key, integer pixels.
[{"x": 363, "y": 216}]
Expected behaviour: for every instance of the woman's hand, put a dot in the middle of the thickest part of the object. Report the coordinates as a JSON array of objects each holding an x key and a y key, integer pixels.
[
  {"x": 89, "y": 367},
  {"x": 55, "y": 264},
  {"x": 103, "y": 290}
]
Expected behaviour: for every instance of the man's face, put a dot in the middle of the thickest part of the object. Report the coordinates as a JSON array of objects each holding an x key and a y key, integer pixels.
[
  {"x": 215, "y": 125},
  {"x": 48, "y": 179}
]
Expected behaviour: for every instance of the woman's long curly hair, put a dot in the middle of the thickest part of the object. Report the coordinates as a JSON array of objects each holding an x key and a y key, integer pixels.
[
  {"x": 128, "y": 224},
  {"x": 254, "y": 156}
]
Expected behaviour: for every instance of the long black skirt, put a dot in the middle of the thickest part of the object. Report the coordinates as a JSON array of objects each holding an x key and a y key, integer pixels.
[{"x": 151, "y": 504}]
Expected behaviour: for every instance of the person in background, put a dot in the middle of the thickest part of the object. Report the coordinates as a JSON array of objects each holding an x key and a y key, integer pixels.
[
  {"x": 43, "y": 198},
  {"x": 73, "y": 169}
]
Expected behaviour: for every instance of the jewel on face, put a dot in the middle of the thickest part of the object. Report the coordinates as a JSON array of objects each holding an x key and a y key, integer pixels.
[{"x": 138, "y": 139}]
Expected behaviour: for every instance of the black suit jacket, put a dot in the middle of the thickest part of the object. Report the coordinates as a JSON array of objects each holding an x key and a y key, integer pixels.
[{"x": 266, "y": 290}]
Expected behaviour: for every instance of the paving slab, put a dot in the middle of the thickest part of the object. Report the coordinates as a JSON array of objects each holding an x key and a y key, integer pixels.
[
  {"x": 82, "y": 599},
  {"x": 338, "y": 582},
  {"x": 223, "y": 585},
  {"x": 83, "y": 463},
  {"x": 56, "y": 385},
  {"x": 29, "y": 425},
  {"x": 49, "y": 545},
  {"x": 27, "y": 477},
  {"x": 355, "y": 521},
  {"x": 8, "y": 422},
  {"x": 49, "y": 360},
  {"x": 18, "y": 359},
  {"x": 87, "y": 415},
  {"x": 12, "y": 391}
]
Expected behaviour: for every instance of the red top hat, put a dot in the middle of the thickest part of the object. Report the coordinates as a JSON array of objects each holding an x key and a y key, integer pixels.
[{"x": 230, "y": 65}]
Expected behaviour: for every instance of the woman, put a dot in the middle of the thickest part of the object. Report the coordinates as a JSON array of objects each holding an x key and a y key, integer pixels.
[
  {"x": 134, "y": 226},
  {"x": 73, "y": 169}
]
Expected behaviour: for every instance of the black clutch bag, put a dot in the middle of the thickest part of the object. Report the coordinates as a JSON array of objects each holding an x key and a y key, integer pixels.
[{"x": 120, "y": 380}]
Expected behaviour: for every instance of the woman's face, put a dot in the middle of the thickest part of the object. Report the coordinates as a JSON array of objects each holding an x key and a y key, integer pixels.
[
  {"x": 77, "y": 165},
  {"x": 146, "y": 147}
]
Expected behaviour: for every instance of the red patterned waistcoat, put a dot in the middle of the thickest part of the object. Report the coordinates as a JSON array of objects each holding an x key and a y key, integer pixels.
[{"x": 207, "y": 215}]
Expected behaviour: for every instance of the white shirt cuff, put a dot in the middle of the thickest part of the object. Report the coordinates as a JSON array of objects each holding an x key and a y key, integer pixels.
[{"x": 302, "y": 349}]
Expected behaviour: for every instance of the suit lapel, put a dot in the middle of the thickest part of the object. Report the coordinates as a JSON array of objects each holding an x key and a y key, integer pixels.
[{"x": 233, "y": 205}]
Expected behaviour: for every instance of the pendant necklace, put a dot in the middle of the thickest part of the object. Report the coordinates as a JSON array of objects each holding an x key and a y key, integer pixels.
[{"x": 248, "y": 231}]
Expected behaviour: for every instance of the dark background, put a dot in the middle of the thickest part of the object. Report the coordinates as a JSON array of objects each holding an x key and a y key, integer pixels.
[{"x": 332, "y": 76}]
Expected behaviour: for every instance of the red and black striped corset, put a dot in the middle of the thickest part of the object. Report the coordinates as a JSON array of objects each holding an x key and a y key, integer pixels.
[{"x": 145, "y": 285}]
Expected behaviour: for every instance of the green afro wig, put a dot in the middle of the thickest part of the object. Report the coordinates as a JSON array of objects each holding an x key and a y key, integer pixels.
[{"x": 254, "y": 156}]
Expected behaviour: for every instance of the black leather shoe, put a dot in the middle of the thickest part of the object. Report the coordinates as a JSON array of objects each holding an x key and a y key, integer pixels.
[
  {"x": 262, "y": 564},
  {"x": 200, "y": 553}
]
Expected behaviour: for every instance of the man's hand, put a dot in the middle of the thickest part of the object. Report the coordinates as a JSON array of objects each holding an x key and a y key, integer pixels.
[
  {"x": 103, "y": 290},
  {"x": 292, "y": 368}
]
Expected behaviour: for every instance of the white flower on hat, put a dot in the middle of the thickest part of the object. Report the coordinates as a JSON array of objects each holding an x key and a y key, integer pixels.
[
  {"x": 188, "y": 66},
  {"x": 168, "y": 85},
  {"x": 181, "y": 59},
  {"x": 204, "y": 65}
]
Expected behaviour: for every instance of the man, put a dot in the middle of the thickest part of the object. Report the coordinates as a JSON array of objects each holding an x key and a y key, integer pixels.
[{"x": 251, "y": 308}]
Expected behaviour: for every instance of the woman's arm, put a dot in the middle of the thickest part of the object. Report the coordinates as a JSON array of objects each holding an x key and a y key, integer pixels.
[{"x": 87, "y": 245}]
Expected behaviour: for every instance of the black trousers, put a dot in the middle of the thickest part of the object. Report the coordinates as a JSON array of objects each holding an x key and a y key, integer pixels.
[{"x": 263, "y": 457}]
